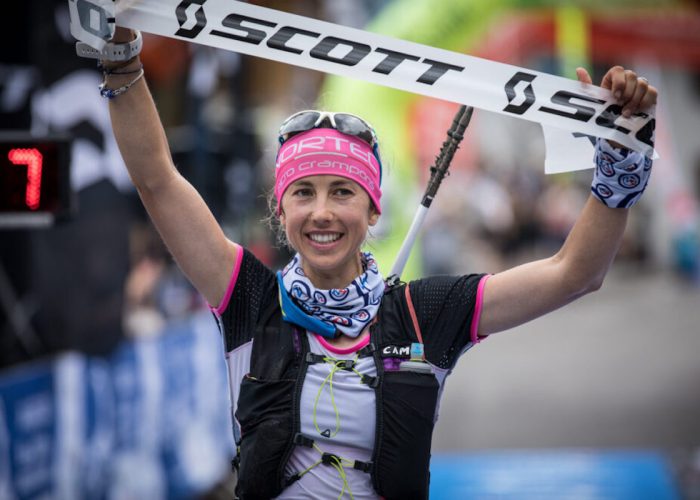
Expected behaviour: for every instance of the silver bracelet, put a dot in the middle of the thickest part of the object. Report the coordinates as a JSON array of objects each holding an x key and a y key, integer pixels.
[
  {"x": 108, "y": 93},
  {"x": 115, "y": 52}
]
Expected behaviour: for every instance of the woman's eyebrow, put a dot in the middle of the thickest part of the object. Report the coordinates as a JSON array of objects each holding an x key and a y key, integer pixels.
[
  {"x": 343, "y": 182},
  {"x": 302, "y": 183}
]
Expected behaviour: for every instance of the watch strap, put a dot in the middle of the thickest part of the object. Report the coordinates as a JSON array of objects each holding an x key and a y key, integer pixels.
[{"x": 116, "y": 52}]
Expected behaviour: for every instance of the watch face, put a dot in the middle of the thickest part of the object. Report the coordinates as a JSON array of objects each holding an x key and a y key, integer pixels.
[{"x": 34, "y": 180}]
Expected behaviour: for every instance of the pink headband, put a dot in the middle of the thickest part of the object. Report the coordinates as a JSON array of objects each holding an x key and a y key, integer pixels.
[{"x": 325, "y": 151}]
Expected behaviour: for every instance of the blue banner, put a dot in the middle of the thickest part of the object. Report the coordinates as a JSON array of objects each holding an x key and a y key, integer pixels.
[
  {"x": 553, "y": 474},
  {"x": 150, "y": 421}
]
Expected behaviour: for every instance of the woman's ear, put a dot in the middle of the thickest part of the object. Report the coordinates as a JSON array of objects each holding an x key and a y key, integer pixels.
[
  {"x": 282, "y": 218},
  {"x": 373, "y": 216}
]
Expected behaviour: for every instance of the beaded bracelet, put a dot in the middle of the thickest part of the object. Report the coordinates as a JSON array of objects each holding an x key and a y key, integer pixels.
[{"x": 108, "y": 93}]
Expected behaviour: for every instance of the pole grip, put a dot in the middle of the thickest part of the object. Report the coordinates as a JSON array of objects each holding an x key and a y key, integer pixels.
[{"x": 455, "y": 134}]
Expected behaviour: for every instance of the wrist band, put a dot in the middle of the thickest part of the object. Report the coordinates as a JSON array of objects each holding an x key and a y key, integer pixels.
[
  {"x": 621, "y": 175},
  {"x": 115, "y": 70},
  {"x": 112, "y": 51},
  {"x": 108, "y": 93}
]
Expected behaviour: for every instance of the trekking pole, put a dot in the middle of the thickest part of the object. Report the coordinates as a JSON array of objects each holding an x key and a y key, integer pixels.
[{"x": 455, "y": 134}]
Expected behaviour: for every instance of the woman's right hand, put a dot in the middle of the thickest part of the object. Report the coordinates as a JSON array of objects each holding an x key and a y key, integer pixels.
[{"x": 123, "y": 35}]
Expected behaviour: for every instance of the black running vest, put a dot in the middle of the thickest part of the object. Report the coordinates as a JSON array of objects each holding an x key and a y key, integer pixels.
[{"x": 268, "y": 406}]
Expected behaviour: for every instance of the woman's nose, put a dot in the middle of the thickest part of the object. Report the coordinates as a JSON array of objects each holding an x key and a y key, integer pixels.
[{"x": 322, "y": 210}]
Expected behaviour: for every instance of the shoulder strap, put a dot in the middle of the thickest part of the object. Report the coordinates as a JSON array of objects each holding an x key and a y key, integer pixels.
[
  {"x": 412, "y": 312},
  {"x": 277, "y": 347}
]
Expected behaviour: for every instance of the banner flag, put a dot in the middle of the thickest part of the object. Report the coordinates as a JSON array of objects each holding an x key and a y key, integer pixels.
[{"x": 582, "y": 111}]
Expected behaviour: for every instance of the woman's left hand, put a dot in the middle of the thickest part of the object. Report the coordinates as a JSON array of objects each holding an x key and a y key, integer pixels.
[{"x": 633, "y": 93}]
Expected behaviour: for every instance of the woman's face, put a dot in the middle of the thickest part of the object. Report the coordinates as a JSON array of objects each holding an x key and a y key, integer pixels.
[{"x": 326, "y": 219}]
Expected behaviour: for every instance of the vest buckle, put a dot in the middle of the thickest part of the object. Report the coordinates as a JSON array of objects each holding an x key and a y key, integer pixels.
[
  {"x": 330, "y": 459},
  {"x": 345, "y": 364}
]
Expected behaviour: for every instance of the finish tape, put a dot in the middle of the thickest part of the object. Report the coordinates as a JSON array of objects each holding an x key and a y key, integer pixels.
[{"x": 571, "y": 113}]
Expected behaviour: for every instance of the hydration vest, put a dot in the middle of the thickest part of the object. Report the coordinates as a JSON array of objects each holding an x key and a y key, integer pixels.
[{"x": 406, "y": 399}]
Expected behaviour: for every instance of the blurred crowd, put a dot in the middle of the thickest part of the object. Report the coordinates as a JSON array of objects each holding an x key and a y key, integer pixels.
[{"x": 494, "y": 221}]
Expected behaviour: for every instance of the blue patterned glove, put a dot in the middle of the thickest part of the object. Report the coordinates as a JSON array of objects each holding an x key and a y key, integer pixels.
[{"x": 621, "y": 175}]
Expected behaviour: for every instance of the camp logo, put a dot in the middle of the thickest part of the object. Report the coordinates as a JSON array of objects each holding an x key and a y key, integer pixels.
[{"x": 396, "y": 351}]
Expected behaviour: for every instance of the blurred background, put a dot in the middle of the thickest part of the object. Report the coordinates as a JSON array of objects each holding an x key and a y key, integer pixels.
[{"x": 610, "y": 383}]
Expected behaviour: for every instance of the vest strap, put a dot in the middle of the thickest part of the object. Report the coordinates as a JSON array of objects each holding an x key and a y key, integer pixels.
[
  {"x": 367, "y": 350},
  {"x": 373, "y": 382},
  {"x": 312, "y": 358},
  {"x": 362, "y": 466},
  {"x": 301, "y": 440},
  {"x": 292, "y": 479},
  {"x": 343, "y": 364},
  {"x": 412, "y": 313}
]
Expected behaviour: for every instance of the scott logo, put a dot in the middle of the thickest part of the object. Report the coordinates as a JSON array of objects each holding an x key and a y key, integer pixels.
[
  {"x": 519, "y": 109},
  {"x": 328, "y": 48},
  {"x": 182, "y": 19},
  {"x": 573, "y": 110}
]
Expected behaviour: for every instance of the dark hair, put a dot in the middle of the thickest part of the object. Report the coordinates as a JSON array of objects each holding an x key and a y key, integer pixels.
[{"x": 273, "y": 221}]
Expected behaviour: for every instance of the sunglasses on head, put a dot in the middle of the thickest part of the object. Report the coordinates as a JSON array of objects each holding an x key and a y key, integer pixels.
[{"x": 342, "y": 122}]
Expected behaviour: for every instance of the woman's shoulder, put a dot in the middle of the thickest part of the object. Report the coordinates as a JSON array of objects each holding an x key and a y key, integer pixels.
[
  {"x": 255, "y": 271},
  {"x": 431, "y": 295},
  {"x": 252, "y": 281},
  {"x": 437, "y": 284}
]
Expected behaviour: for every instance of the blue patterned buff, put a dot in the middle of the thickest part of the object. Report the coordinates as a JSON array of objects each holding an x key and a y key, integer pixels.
[
  {"x": 332, "y": 312},
  {"x": 621, "y": 175}
]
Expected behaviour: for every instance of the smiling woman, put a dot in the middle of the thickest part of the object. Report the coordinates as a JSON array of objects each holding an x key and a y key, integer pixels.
[
  {"x": 328, "y": 190},
  {"x": 335, "y": 375},
  {"x": 326, "y": 220}
]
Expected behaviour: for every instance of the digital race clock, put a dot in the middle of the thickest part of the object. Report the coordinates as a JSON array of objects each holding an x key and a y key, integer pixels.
[{"x": 34, "y": 180}]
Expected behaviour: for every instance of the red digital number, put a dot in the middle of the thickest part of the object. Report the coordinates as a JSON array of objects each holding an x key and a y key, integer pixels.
[{"x": 33, "y": 159}]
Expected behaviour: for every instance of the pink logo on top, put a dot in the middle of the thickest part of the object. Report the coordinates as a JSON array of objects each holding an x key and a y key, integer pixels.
[{"x": 325, "y": 151}]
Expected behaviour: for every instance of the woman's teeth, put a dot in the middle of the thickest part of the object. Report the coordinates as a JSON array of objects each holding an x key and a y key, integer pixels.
[{"x": 324, "y": 238}]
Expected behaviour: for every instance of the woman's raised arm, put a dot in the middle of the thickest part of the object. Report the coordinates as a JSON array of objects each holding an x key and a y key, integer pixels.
[
  {"x": 183, "y": 220},
  {"x": 528, "y": 291}
]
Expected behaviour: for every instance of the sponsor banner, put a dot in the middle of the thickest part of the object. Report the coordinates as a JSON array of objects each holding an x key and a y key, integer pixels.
[
  {"x": 149, "y": 421},
  {"x": 580, "y": 111}
]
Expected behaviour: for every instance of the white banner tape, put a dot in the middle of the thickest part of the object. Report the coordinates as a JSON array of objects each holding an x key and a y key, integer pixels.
[
  {"x": 580, "y": 111},
  {"x": 92, "y": 21}
]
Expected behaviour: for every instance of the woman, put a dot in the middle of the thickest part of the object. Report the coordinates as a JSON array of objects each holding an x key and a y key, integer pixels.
[{"x": 335, "y": 378}]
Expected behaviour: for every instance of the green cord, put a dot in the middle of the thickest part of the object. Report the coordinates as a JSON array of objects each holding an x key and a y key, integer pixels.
[
  {"x": 336, "y": 464},
  {"x": 344, "y": 477},
  {"x": 329, "y": 380},
  {"x": 309, "y": 468}
]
